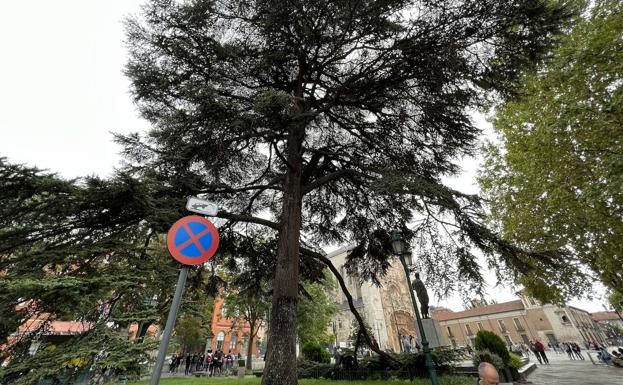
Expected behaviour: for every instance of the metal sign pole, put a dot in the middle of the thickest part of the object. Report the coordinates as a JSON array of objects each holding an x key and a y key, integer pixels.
[{"x": 168, "y": 329}]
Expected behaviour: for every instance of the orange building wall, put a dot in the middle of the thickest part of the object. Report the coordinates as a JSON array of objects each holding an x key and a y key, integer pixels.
[{"x": 231, "y": 329}]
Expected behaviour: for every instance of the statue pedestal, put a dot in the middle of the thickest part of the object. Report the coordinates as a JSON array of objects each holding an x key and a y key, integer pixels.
[{"x": 433, "y": 332}]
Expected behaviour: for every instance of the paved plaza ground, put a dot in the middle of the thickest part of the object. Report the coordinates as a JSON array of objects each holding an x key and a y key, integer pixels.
[{"x": 563, "y": 371}]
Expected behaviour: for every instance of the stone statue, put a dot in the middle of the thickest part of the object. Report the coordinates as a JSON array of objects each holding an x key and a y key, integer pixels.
[{"x": 422, "y": 295}]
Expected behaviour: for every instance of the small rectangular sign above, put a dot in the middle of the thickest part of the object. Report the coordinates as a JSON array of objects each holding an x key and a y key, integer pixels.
[{"x": 201, "y": 206}]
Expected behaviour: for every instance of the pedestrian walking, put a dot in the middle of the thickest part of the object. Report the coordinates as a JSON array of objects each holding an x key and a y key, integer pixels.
[
  {"x": 172, "y": 363},
  {"x": 337, "y": 356},
  {"x": 567, "y": 347},
  {"x": 406, "y": 346},
  {"x": 189, "y": 359},
  {"x": 540, "y": 348},
  {"x": 209, "y": 366},
  {"x": 229, "y": 360},
  {"x": 534, "y": 351},
  {"x": 577, "y": 351}
]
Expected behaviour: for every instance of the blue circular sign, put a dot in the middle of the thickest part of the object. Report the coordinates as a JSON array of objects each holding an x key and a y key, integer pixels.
[{"x": 192, "y": 240}]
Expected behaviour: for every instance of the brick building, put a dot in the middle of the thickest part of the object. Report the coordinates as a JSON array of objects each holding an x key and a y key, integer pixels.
[
  {"x": 519, "y": 321},
  {"x": 230, "y": 334},
  {"x": 610, "y": 325}
]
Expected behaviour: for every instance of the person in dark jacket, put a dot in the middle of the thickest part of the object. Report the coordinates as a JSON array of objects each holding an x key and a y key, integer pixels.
[
  {"x": 540, "y": 348},
  {"x": 577, "y": 351},
  {"x": 535, "y": 352},
  {"x": 189, "y": 360}
]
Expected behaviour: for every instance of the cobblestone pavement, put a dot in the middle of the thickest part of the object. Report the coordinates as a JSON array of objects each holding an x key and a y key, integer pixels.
[{"x": 563, "y": 371}]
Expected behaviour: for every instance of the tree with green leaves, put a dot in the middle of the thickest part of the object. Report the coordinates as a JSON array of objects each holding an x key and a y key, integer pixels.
[
  {"x": 356, "y": 336},
  {"x": 194, "y": 324},
  {"x": 249, "y": 307},
  {"x": 556, "y": 179},
  {"x": 315, "y": 310},
  {"x": 324, "y": 121},
  {"x": 88, "y": 250}
]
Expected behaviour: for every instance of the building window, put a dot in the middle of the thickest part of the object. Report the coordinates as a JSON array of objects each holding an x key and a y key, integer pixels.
[
  {"x": 453, "y": 342},
  {"x": 219, "y": 340},
  {"x": 525, "y": 339},
  {"x": 358, "y": 291},
  {"x": 469, "y": 330},
  {"x": 449, "y": 331},
  {"x": 518, "y": 325},
  {"x": 480, "y": 327},
  {"x": 508, "y": 340},
  {"x": 565, "y": 319},
  {"x": 234, "y": 341},
  {"x": 502, "y": 326}
]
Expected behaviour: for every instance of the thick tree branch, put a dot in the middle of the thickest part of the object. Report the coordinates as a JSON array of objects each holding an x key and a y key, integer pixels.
[
  {"x": 248, "y": 219},
  {"x": 329, "y": 178},
  {"x": 349, "y": 298}
]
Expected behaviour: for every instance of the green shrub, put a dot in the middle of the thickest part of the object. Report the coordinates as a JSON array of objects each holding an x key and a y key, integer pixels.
[
  {"x": 492, "y": 342},
  {"x": 406, "y": 365},
  {"x": 314, "y": 352},
  {"x": 514, "y": 361},
  {"x": 312, "y": 369},
  {"x": 486, "y": 355}
]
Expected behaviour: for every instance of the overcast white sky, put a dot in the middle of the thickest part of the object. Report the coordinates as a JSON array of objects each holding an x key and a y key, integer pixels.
[{"x": 62, "y": 93}]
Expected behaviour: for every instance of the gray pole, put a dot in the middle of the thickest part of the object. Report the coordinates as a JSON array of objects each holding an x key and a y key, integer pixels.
[{"x": 168, "y": 329}]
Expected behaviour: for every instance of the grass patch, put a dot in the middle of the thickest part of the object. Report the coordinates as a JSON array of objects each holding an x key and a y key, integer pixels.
[{"x": 445, "y": 380}]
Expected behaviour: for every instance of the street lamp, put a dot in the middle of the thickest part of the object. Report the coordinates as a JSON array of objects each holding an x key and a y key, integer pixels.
[{"x": 404, "y": 254}]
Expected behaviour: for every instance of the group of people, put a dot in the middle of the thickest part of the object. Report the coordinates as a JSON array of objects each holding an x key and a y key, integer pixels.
[
  {"x": 213, "y": 363},
  {"x": 534, "y": 347},
  {"x": 409, "y": 344},
  {"x": 572, "y": 349},
  {"x": 538, "y": 349}
]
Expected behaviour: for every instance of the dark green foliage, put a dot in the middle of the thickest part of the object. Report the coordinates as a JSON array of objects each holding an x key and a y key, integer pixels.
[
  {"x": 414, "y": 364},
  {"x": 486, "y": 355},
  {"x": 403, "y": 366},
  {"x": 330, "y": 118},
  {"x": 87, "y": 250},
  {"x": 314, "y": 352},
  {"x": 488, "y": 340},
  {"x": 314, "y": 369}
]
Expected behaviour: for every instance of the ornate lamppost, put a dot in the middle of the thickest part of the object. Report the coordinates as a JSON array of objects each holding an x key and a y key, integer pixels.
[{"x": 406, "y": 259}]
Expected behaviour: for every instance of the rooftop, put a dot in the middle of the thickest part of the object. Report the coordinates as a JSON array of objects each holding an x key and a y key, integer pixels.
[
  {"x": 605, "y": 316},
  {"x": 490, "y": 309}
]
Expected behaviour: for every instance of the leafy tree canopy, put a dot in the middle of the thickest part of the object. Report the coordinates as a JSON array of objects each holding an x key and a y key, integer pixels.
[
  {"x": 308, "y": 122},
  {"x": 556, "y": 180},
  {"x": 315, "y": 310},
  {"x": 87, "y": 250},
  {"x": 324, "y": 121}
]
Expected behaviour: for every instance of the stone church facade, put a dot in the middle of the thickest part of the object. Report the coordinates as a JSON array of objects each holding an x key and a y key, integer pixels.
[{"x": 387, "y": 308}]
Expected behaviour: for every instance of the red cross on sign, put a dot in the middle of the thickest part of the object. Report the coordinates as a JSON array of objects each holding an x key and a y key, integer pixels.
[{"x": 192, "y": 240}]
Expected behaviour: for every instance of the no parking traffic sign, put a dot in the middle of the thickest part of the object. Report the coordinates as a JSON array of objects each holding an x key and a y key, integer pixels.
[{"x": 192, "y": 240}]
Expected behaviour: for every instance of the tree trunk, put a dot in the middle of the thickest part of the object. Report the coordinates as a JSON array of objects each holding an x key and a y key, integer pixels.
[
  {"x": 249, "y": 363},
  {"x": 281, "y": 354}
]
